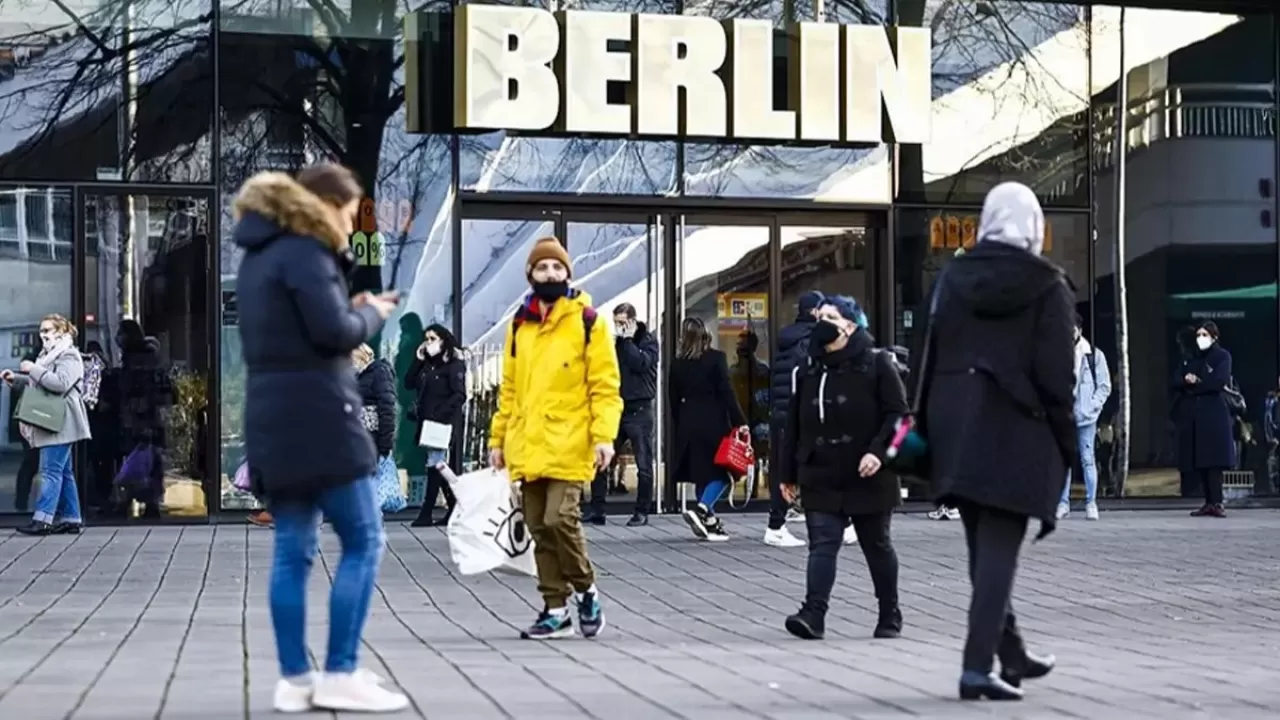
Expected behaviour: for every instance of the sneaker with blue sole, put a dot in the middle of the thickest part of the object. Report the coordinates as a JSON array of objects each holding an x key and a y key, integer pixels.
[
  {"x": 590, "y": 616},
  {"x": 549, "y": 626}
]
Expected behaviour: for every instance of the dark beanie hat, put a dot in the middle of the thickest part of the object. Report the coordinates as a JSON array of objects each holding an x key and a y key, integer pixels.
[
  {"x": 810, "y": 301},
  {"x": 548, "y": 248}
]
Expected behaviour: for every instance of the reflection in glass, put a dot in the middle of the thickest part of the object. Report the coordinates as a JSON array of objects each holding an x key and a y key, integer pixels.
[
  {"x": 832, "y": 174},
  {"x": 725, "y": 283},
  {"x": 35, "y": 280},
  {"x": 1200, "y": 243},
  {"x": 1011, "y": 94},
  {"x": 120, "y": 89},
  {"x": 494, "y": 257},
  {"x": 146, "y": 287},
  {"x": 287, "y": 101},
  {"x": 615, "y": 263}
]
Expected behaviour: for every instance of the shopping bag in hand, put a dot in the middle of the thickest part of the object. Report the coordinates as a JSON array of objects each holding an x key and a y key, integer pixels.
[
  {"x": 486, "y": 528},
  {"x": 390, "y": 495},
  {"x": 735, "y": 453}
]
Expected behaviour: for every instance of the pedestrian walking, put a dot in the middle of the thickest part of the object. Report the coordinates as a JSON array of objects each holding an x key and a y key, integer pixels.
[
  {"x": 308, "y": 451},
  {"x": 438, "y": 377},
  {"x": 792, "y": 352},
  {"x": 1093, "y": 387},
  {"x": 56, "y": 373},
  {"x": 558, "y": 413},
  {"x": 1204, "y": 420},
  {"x": 839, "y": 422},
  {"x": 997, "y": 411},
  {"x": 637, "y": 350},
  {"x": 704, "y": 411}
]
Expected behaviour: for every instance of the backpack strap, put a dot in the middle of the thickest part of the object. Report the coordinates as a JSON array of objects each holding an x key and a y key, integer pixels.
[
  {"x": 1093, "y": 367},
  {"x": 589, "y": 317}
]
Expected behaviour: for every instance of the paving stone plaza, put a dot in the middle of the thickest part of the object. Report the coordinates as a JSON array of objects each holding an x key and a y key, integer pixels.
[{"x": 1151, "y": 614}]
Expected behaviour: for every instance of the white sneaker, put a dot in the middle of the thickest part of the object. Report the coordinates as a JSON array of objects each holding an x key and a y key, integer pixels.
[
  {"x": 355, "y": 692},
  {"x": 292, "y": 697},
  {"x": 1091, "y": 511},
  {"x": 1063, "y": 511},
  {"x": 782, "y": 538},
  {"x": 944, "y": 513},
  {"x": 850, "y": 536},
  {"x": 953, "y": 513}
]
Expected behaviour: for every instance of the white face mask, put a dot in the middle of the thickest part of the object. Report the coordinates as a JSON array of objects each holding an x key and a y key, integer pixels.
[
  {"x": 433, "y": 348},
  {"x": 1204, "y": 342}
]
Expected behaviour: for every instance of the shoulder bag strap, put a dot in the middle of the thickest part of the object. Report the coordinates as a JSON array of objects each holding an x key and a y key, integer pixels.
[{"x": 926, "y": 347}]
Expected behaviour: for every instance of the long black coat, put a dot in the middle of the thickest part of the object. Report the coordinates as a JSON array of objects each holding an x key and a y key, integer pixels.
[
  {"x": 1206, "y": 440},
  {"x": 793, "y": 351},
  {"x": 703, "y": 410},
  {"x": 378, "y": 390},
  {"x": 998, "y": 405},
  {"x": 846, "y": 405},
  {"x": 440, "y": 391},
  {"x": 302, "y": 415}
]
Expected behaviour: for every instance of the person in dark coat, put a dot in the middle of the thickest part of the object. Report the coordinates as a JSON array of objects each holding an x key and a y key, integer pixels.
[
  {"x": 1206, "y": 443},
  {"x": 792, "y": 351},
  {"x": 142, "y": 389},
  {"x": 839, "y": 423},
  {"x": 637, "y": 350},
  {"x": 703, "y": 410},
  {"x": 307, "y": 449},
  {"x": 377, "y": 381},
  {"x": 438, "y": 377},
  {"x": 998, "y": 413}
]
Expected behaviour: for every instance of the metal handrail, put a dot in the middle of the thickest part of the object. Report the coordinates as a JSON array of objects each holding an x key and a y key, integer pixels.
[{"x": 1201, "y": 110}]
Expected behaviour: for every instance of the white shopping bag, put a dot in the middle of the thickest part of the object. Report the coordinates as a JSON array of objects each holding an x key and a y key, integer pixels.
[{"x": 486, "y": 529}]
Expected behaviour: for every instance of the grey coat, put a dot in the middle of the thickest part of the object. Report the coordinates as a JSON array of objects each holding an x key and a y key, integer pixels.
[{"x": 62, "y": 375}]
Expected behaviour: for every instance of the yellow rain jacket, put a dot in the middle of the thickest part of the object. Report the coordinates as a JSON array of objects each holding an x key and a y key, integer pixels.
[{"x": 560, "y": 394}]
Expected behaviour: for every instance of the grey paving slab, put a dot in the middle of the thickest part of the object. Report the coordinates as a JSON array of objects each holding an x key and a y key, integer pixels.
[{"x": 1152, "y": 615}]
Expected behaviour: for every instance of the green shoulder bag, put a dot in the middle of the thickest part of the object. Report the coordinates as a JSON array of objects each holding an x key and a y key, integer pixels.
[{"x": 41, "y": 408}]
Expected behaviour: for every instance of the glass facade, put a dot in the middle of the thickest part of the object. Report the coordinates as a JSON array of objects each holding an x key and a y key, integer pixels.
[{"x": 126, "y": 129}]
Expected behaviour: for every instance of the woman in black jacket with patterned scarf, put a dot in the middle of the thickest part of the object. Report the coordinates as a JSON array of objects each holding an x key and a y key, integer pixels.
[{"x": 378, "y": 393}]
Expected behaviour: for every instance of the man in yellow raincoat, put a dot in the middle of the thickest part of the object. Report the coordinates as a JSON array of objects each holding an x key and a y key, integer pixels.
[{"x": 558, "y": 413}]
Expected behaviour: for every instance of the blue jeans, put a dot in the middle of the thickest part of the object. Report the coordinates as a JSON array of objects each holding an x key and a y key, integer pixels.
[
  {"x": 1086, "y": 434},
  {"x": 59, "y": 499},
  {"x": 353, "y": 510},
  {"x": 712, "y": 493}
]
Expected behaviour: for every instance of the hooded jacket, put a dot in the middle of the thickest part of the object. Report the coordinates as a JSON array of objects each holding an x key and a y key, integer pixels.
[
  {"x": 302, "y": 426},
  {"x": 998, "y": 406},
  {"x": 793, "y": 351},
  {"x": 638, "y": 363},
  {"x": 377, "y": 383},
  {"x": 560, "y": 394}
]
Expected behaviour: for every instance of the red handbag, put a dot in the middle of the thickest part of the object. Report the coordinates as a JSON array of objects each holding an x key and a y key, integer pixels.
[{"x": 735, "y": 453}]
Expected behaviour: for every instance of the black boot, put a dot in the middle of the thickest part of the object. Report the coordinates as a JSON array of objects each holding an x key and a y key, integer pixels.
[
  {"x": 1033, "y": 667},
  {"x": 36, "y": 528},
  {"x": 638, "y": 519},
  {"x": 806, "y": 624},
  {"x": 889, "y": 625},
  {"x": 975, "y": 686}
]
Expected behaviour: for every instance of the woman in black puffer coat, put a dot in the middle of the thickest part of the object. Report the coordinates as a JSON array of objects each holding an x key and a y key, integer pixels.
[
  {"x": 438, "y": 377},
  {"x": 378, "y": 393}
]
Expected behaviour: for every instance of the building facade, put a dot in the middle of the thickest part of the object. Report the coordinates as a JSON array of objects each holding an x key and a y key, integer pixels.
[{"x": 123, "y": 143}]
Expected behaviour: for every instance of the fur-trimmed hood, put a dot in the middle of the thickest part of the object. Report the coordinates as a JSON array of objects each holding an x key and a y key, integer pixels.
[{"x": 272, "y": 201}]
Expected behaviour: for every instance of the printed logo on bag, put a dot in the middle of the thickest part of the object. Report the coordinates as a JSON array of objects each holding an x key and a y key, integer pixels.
[{"x": 509, "y": 531}]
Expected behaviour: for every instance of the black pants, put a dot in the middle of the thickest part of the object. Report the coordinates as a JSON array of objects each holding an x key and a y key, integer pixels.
[
  {"x": 436, "y": 484},
  {"x": 26, "y": 477},
  {"x": 778, "y": 504},
  {"x": 994, "y": 538},
  {"x": 636, "y": 426},
  {"x": 826, "y": 537},
  {"x": 1210, "y": 482}
]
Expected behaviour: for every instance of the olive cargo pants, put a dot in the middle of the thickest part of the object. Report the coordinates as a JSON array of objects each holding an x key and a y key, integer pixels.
[{"x": 552, "y": 513}]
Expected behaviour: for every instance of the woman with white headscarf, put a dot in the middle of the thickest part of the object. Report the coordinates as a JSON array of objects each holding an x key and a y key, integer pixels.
[{"x": 997, "y": 390}]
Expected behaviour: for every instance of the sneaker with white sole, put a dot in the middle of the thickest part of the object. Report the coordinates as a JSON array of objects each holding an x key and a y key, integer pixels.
[
  {"x": 795, "y": 514},
  {"x": 355, "y": 692},
  {"x": 1091, "y": 511},
  {"x": 782, "y": 538},
  {"x": 293, "y": 696},
  {"x": 715, "y": 530},
  {"x": 850, "y": 536},
  {"x": 1063, "y": 511}
]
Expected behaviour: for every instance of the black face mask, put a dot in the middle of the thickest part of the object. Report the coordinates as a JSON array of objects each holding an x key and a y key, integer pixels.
[
  {"x": 550, "y": 291},
  {"x": 824, "y": 333}
]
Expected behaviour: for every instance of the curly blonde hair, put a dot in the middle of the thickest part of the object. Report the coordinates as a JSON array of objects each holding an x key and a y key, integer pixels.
[{"x": 60, "y": 323}]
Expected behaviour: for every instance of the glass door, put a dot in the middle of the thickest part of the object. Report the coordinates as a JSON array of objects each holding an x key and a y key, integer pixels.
[
  {"x": 618, "y": 261},
  {"x": 723, "y": 275},
  {"x": 146, "y": 319}
]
